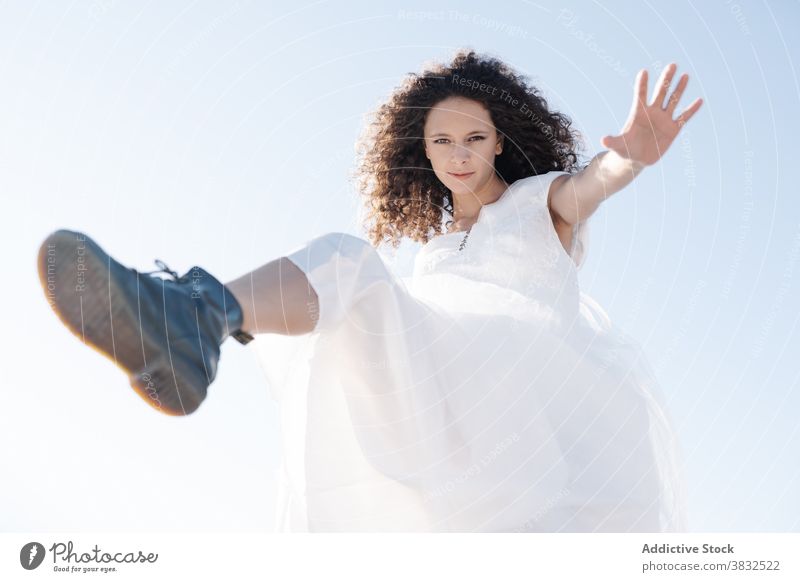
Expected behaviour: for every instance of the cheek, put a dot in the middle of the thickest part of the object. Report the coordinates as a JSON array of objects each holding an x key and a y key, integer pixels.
[
  {"x": 487, "y": 153},
  {"x": 437, "y": 158}
]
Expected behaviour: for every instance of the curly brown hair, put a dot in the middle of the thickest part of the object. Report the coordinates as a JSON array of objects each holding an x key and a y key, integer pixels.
[{"x": 402, "y": 195}]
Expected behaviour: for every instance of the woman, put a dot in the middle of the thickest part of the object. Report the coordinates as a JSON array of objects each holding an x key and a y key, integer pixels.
[{"x": 488, "y": 395}]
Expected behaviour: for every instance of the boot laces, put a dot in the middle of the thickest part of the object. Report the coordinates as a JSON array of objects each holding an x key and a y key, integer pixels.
[{"x": 163, "y": 268}]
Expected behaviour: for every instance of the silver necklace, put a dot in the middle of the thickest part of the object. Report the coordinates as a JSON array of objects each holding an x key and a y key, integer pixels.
[{"x": 464, "y": 240}]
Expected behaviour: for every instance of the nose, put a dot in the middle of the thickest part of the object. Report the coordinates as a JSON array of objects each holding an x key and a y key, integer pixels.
[{"x": 459, "y": 154}]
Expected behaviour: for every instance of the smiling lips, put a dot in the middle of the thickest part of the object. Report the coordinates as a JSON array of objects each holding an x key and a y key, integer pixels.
[{"x": 465, "y": 175}]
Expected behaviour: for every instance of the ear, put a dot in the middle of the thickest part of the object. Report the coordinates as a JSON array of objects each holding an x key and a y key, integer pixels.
[{"x": 499, "y": 147}]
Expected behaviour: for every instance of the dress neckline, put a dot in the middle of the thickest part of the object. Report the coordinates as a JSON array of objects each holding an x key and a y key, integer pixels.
[{"x": 477, "y": 219}]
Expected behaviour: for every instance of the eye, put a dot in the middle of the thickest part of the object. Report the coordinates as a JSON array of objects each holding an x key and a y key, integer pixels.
[{"x": 444, "y": 139}]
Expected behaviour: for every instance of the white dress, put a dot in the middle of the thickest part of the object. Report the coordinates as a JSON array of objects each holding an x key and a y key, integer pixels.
[{"x": 485, "y": 393}]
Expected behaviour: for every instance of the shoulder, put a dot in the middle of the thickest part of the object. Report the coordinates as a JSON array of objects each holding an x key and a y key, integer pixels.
[
  {"x": 543, "y": 184},
  {"x": 544, "y": 178},
  {"x": 540, "y": 190}
]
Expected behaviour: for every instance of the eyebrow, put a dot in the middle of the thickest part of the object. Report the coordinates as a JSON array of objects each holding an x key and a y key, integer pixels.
[{"x": 448, "y": 135}]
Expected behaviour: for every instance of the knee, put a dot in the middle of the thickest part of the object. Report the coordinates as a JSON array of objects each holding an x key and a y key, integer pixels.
[
  {"x": 341, "y": 268},
  {"x": 345, "y": 240}
]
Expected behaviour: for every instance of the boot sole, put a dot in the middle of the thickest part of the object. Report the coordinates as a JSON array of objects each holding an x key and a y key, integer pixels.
[{"x": 80, "y": 280}]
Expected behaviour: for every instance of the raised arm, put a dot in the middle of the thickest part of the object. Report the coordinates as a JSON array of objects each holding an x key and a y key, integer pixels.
[{"x": 644, "y": 139}]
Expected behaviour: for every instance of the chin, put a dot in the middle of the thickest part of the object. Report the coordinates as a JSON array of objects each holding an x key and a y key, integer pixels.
[{"x": 457, "y": 186}]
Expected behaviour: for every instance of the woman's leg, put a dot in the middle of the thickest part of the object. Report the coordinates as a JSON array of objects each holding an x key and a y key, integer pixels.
[
  {"x": 276, "y": 298},
  {"x": 166, "y": 333},
  {"x": 313, "y": 287}
]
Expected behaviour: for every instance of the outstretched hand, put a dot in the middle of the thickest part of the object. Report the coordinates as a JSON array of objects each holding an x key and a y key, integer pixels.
[{"x": 650, "y": 129}]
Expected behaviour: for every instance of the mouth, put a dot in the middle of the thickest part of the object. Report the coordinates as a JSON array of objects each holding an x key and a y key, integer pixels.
[{"x": 461, "y": 176}]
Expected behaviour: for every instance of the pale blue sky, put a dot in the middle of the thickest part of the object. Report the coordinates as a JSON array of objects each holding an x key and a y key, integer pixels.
[{"x": 222, "y": 134}]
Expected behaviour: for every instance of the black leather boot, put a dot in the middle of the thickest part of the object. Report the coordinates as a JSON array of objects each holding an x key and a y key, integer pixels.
[{"x": 165, "y": 334}]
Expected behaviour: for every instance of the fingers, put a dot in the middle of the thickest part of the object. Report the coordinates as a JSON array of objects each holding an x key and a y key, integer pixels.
[
  {"x": 676, "y": 96},
  {"x": 689, "y": 111},
  {"x": 640, "y": 91},
  {"x": 663, "y": 84}
]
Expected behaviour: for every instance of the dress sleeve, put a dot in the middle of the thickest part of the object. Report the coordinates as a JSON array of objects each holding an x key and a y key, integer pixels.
[{"x": 580, "y": 242}]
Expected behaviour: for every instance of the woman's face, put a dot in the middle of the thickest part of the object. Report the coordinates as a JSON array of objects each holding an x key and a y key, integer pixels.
[{"x": 460, "y": 138}]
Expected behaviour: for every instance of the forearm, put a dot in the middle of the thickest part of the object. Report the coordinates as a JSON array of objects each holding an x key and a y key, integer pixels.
[{"x": 605, "y": 175}]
